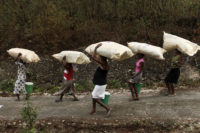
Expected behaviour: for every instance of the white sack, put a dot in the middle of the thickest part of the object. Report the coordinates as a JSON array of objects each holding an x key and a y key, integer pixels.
[
  {"x": 74, "y": 57},
  {"x": 185, "y": 46},
  {"x": 111, "y": 50},
  {"x": 27, "y": 55},
  {"x": 147, "y": 49}
]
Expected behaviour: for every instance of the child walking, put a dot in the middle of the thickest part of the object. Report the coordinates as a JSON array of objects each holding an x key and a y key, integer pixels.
[
  {"x": 67, "y": 84},
  {"x": 173, "y": 75},
  {"x": 137, "y": 77}
]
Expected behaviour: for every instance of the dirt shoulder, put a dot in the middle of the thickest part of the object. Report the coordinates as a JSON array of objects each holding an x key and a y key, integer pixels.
[{"x": 153, "y": 108}]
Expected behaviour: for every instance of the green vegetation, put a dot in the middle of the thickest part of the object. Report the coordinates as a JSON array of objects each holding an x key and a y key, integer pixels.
[
  {"x": 49, "y": 25},
  {"x": 7, "y": 85},
  {"x": 83, "y": 86},
  {"x": 29, "y": 115},
  {"x": 46, "y": 89},
  {"x": 189, "y": 83},
  {"x": 115, "y": 84}
]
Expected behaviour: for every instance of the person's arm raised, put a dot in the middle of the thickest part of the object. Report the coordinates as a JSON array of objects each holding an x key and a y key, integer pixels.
[
  {"x": 18, "y": 57},
  {"x": 98, "y": 60},
  {"x": 64, "y": 61}
]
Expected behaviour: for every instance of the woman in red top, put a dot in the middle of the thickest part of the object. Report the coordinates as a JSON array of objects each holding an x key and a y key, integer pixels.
[{"x": 68, "y": 84}]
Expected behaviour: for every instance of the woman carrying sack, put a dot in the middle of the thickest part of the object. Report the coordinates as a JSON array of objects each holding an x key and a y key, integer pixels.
[
  {"x": 100, "y": 82},
  {"x": 173, "y": 75},
  {"x": 137, "y": 77},
  {"x": 21, "y": 78}
]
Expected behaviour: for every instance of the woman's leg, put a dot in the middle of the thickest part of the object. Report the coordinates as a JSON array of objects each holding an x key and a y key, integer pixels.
[
  {"x": 168, "y": 87},
  {"x": 93, "y": 106},
  {"x": 103, "y": 105},
  {"x": 18, "y": 98},
  {"x": 75, "y": 98},
  {"x": 135, "y": 89},
  {"x": 73, "y": 93},
  {"x": 62, "y": 91},
  {"x": 172, "y": 89},
  {"x": 131, "y": 89},
  {"x": 61, "y": 97}
]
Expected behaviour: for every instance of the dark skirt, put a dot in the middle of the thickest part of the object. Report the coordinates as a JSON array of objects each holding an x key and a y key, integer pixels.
[{"x": 173, "y": 76}]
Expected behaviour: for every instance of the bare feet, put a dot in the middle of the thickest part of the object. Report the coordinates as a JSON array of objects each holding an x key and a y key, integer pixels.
[
  {"x": 76, "y": 99},
  {"x": 108, "y": 112},
  {"x": 93, "y": 113},
  {"x": 136, "y": 99}
]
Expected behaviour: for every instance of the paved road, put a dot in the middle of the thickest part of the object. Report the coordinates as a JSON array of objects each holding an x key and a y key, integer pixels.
[{"x": 186, "y": 104}]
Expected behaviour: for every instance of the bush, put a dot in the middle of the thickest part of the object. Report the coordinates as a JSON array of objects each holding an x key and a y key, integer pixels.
[
  {"x": 83, "y": 85},
  {"x": 54, "y": 25},
  {"x": 29, "y": 115},
  {"x": 114, "y": 84},
  {"x": 7, "y": 85}
]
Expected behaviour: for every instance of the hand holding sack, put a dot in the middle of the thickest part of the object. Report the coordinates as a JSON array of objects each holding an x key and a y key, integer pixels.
[
  {"x": 111, "y": 50},
  {"x": 27, "y": 56},
  {"x": 172, "y": 42},
  {"x": 74, "y": 57},
  {"x": 147, "y": 49}
]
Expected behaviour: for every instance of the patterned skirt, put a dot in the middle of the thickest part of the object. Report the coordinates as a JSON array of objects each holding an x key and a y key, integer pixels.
[{"x": 20, "y": 86}]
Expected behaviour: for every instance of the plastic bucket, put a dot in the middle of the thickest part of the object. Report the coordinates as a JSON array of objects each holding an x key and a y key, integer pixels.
[
  {"x": 139, "y": 85},
  {"x": 29, "y": 87},
  {"x": 106, "y": 98}
]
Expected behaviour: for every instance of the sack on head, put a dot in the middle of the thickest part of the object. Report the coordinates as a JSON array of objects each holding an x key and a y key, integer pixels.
[{"x": 111, "y": 50}]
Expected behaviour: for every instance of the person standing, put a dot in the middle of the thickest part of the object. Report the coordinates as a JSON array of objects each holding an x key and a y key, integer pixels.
[
  {"x": 173, "y": 75},
  {"x": 67, "y": 84},
  {"x": 137, "y": 77},
  {"x": 100, "y": 82}
]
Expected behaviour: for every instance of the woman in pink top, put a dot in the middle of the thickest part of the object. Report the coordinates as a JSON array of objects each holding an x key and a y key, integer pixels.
[{"x": 137, "y": 77}]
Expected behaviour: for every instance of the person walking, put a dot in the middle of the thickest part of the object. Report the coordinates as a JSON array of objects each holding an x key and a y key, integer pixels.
[
  {"x": 100, "y": 82},
  {"x": 174, "y": 73}
]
